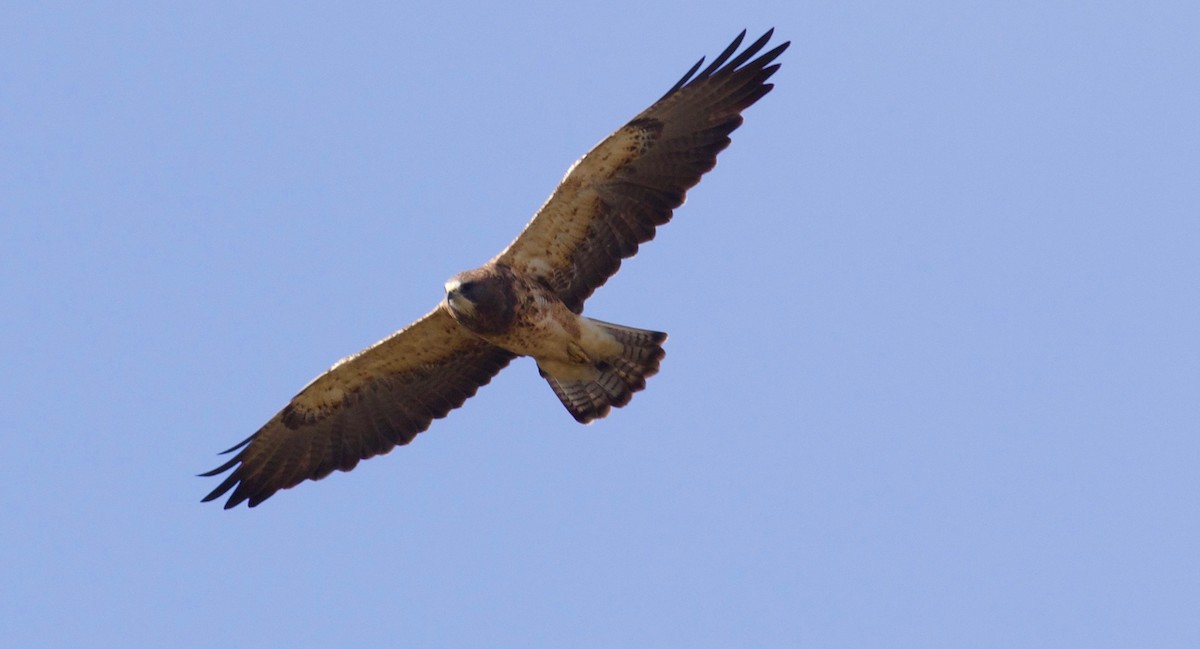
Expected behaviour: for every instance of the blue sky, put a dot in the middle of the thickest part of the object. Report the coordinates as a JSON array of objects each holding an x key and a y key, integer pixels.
[{"x": 932, "y": 376}]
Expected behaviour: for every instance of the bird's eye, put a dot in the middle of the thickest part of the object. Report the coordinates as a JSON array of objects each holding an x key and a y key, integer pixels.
[{"x": 467, "y": 288}]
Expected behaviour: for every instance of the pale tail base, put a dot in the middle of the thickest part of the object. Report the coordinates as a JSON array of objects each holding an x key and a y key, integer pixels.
[{"x": 616, "y": 378}]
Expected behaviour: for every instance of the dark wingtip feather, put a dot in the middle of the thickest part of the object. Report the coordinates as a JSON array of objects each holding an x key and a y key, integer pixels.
[
  {"x": 237, "y": 446},
  {"x": 684, "y": 79},
  {"x": 723, "y": 61},
  {"x": 773, "y": 54},
  {"x": 723, "y": 56},
  {"x": 751, "y": 50},
  {"x": 221, "y": 469},
  {"x": 726, "y": 64},
  {"x": 228, "y": 483}
]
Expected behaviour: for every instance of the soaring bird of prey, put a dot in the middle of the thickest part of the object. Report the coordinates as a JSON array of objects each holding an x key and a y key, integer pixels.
[{"x": 528, "y": 301}]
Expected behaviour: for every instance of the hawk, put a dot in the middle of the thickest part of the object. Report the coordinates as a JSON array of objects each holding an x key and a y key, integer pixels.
[{"x": 528, "y": 301}]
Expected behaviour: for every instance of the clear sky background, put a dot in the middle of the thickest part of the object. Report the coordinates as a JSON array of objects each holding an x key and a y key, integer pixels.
[{"x": 933, "y": 372}]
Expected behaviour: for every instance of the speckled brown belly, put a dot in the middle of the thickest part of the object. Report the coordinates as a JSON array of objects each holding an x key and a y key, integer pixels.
[{"x": 542, "y": 326}]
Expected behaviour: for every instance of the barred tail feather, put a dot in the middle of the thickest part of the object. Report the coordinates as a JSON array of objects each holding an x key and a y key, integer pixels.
[{"x": 614, "y": 379}]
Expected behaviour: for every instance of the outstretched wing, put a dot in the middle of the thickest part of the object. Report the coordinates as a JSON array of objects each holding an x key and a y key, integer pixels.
[
  {"x": 612, "y": 199},
  {"x": 363, "y": 406}
]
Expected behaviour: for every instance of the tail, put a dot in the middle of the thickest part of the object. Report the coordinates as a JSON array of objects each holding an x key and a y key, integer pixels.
[{"x": 611, "y": 382}]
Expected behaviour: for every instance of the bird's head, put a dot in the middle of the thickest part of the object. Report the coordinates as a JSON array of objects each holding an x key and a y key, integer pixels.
[
  {"x": 461, "y": 295},
  {"x": 480, "y": 300}
]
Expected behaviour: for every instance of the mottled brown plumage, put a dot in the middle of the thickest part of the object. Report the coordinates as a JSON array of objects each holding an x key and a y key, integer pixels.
[
  {"x": 615, "y": 196},
  {"x": 526, "y": 302}
]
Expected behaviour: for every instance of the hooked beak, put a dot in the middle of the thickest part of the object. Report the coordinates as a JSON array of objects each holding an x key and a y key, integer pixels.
[{"x": 455, "y": 299}]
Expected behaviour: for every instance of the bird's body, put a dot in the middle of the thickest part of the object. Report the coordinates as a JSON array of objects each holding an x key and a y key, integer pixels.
[
  {"x": 537, "y": 323},
  {"x": 528, "y": 301},
  {"x": 590, "y": 365}
]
